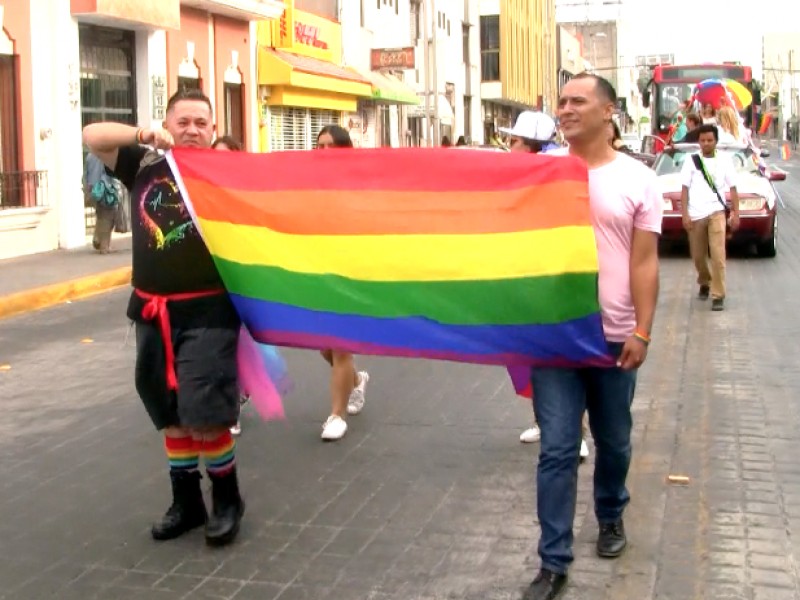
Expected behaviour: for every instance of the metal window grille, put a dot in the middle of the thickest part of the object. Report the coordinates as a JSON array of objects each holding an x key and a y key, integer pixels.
[
  {"x": 108, "y": 87},
  {"x": 297, "y": 128},
  {"x": 20, "y": 189}
]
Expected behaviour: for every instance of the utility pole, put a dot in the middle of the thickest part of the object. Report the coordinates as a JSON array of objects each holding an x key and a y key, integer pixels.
[
  {"x": 792, "y": 89},
  {"x": 435, "y": 51},
  {"x": 427, "y": 61}
]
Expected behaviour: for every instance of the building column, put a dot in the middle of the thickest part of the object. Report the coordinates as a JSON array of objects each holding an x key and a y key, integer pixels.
[
  {"x": 152, "y": 92},
  {"x": 57, "y": 116}
]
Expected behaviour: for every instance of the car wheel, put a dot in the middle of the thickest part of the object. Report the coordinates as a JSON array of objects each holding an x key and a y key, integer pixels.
[{"x": 769, "y": 247}]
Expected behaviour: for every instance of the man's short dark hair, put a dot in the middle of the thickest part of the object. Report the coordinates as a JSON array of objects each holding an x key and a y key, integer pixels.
[
  {"x": 708, "y": 128},
  {"x": 189, "y": 94},
  {"x": 602, "y": 84}
]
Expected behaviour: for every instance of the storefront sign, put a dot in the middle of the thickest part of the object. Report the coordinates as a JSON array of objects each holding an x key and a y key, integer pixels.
[
  {"x": 159, "y": 97},
  {"x": 308, "y": 34},
  {"x": 400, "y": 58}
]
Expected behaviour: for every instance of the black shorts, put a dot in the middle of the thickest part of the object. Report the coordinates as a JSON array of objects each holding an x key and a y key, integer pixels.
[{"x": 205, "y": 365}]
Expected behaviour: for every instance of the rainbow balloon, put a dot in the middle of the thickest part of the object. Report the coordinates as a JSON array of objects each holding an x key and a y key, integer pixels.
[{"x": 448, "y": 254}]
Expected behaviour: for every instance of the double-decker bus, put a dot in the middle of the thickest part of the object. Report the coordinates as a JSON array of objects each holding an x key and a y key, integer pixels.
[{"x": 672, "y": 85}]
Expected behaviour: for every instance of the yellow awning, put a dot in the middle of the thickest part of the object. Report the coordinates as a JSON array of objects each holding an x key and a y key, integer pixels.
[{"x": 278, "y": 68}]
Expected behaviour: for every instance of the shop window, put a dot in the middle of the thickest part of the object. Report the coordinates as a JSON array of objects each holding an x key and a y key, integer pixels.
[
  {"x": 490, "y": 48},
  {"x": 107, "y": 71},
  {"x": 297, "y": 128},
  {"x": 234, "y": 111}
]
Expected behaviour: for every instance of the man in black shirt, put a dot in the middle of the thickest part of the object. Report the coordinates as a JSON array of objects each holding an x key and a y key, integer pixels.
[{"x": 186, "y": 327}]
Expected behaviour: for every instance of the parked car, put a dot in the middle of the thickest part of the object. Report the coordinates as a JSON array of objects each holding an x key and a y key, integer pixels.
[
  {"x": 632, "y": 141},
  {"x": 758, "y": 210}
]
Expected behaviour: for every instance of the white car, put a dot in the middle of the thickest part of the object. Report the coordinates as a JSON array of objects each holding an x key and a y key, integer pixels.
[
  {"x": 632, "y": 141},
  {"x": 758, "y": 206}
]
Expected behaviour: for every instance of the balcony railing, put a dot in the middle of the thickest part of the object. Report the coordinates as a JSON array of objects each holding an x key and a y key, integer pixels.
[{"x": 23, "y": 189}]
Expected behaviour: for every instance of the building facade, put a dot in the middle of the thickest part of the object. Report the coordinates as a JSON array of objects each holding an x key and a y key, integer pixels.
[
  {"x": 781, "y": 95},
  {"x": 378, "y": 43},
  {"x": 303, "y": 82},
  {"x": 519, "y": 68},
  {"x": 106, "y": 60},
  {"x": 570, "y": 56},
  {"x": 445, "y": 36}
]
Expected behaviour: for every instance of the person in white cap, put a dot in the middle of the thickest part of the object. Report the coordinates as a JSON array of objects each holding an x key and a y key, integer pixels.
[{"x": 533, "y": 132}]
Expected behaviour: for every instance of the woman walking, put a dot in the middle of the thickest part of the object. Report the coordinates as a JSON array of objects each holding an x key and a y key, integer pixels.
[{"x": 347, "y": 384}]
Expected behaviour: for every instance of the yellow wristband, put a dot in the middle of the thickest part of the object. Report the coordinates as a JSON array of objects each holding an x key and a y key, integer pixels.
[{"x": 139, "y": 132}]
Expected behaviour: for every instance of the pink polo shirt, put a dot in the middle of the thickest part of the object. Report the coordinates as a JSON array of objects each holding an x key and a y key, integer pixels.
[{"x": 624, "y": 196}]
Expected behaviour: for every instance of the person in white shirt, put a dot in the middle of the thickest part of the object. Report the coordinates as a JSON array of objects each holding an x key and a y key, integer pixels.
[{"x": 706, "y": 178}]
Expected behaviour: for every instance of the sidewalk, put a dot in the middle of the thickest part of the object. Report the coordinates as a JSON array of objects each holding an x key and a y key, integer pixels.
[{"x": 40, "y": 280}]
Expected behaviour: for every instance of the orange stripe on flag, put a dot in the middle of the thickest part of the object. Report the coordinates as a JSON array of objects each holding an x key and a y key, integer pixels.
[{"x": 389, "y": 212}]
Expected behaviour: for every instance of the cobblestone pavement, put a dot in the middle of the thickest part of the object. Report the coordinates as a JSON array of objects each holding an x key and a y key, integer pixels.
[{"x": 430, "y": 495}]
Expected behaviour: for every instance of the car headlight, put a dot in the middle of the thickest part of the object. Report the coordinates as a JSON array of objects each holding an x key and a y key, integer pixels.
[{"x": 751, "y": 203}]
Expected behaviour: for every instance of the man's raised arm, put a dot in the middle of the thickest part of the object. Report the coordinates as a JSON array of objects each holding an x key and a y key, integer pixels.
[{"x": 105, "y": 139}]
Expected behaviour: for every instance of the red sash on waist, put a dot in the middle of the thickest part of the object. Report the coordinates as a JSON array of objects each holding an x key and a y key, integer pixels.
[{"x": 156, "y": 309}]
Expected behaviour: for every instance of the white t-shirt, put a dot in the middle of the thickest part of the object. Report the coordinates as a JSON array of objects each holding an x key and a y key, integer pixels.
[
  {"x": 703, "y": 201},
  {"x": 623, "y": 196}
]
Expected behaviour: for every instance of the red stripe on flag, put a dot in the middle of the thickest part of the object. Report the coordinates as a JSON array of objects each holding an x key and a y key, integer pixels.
[{"x": 398, "y": 169}]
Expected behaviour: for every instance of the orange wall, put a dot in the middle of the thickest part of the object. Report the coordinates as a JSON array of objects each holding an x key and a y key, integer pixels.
[
  {"x": 194, "y": 28},
  {"x": 17, "y": 25},
  {"x": 230, "y": 34}
]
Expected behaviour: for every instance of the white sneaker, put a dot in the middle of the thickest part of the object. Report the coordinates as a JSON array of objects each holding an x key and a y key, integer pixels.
[
  {"x": 531, "y": 436},
  {"x": 334, "y": 428},
  {"x": 236, "y": 430},
  {"x": 356, "y": 402},
  {"x": 584, "y": 450}
]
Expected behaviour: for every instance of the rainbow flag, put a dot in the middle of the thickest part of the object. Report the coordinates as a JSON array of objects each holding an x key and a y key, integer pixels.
[
  {"x": 785, "y": 152},
  {"x": 448, "y": 254}
]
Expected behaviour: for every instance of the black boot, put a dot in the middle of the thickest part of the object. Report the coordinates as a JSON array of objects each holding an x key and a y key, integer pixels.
[
  {"x": 223, "y": 524},
  {"x": 187, "y": 510}
]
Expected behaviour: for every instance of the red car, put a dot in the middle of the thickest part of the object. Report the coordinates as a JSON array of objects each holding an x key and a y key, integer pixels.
[{"x": 758, "y": 198}]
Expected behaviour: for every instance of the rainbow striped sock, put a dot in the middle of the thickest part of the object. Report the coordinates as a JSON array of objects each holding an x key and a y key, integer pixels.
[
  {"x": 183, "y": 454},
  {"x": 220, "y": 454}
]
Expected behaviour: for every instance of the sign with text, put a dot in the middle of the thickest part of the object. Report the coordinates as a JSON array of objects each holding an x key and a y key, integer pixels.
[
  {"x": 159, "y": 97},
  {"x": 398, "y": 58},
  {"x": 308, "y": 34}
]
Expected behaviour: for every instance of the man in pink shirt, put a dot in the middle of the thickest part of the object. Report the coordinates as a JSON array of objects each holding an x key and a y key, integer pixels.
[{"x": 626, "y": 213}]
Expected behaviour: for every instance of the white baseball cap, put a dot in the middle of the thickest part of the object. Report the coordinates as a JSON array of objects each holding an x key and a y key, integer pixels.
[{"x": 533, "y": 126}]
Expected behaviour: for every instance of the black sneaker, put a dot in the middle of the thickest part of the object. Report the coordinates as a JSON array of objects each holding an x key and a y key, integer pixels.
[
  {"x": 704, "y": 292},
  {"x": 718, "y": 304},
  {"x": 546, "y": 586},
  {"x": 611, "y": 541}
]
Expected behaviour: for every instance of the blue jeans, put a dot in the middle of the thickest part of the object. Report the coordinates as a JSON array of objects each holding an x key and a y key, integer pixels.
[{"x": 560, "y": 398}]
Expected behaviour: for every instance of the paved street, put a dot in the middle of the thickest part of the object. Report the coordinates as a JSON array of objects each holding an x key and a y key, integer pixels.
[{"x": 430, "y": 495}]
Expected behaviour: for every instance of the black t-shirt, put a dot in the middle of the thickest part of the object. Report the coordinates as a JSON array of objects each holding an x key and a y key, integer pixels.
[
  {"x": 169, "y": 256},
  {"x": 691, "y": 137}
]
